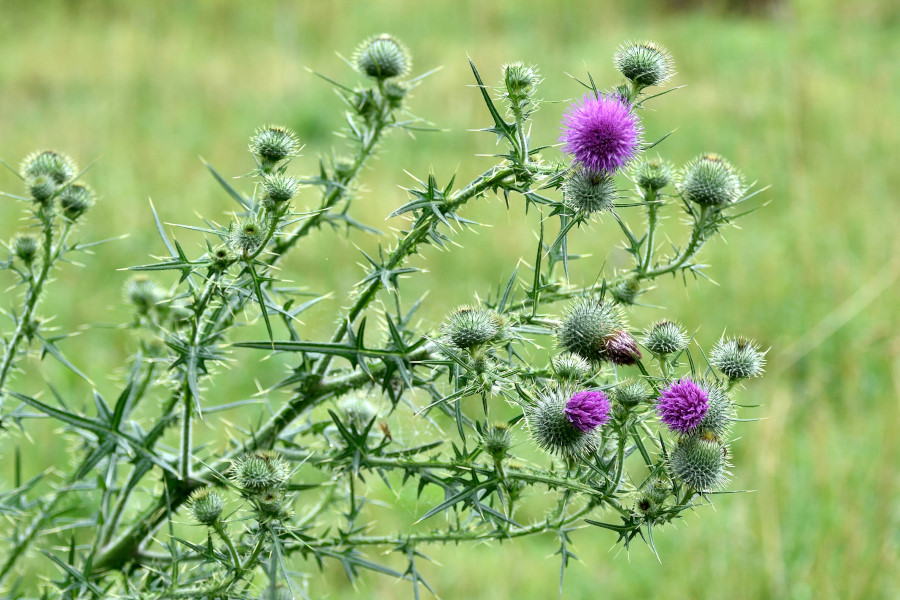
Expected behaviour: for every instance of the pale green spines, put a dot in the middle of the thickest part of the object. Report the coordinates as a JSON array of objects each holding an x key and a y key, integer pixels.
[
  {"x": 644, "y": 63},
  {"x": 143, "y": 293},
  {"x": 552, "y": 430},
  {"x": 206, "y": 506},
  {"x": 259, "y": 470},
  {"x": 587, "y": 326},
  {"x": 571, "y": 367},
  {"x": 587, "y": 192},
  {"x": 653, "y": 174},
  {"x": 57, "y": 166},
  {"x": 246, "y": 236},
  {"x": 468, "y": 328},
  {"x": 710, "y": 180},
  {"x": 699, "y": 463},
  {"x": 665, "y": 337},
  {"x": 382, "y": 57},
  {"x": 75, "y": 200},
  {"x": 26, "y": 248},
  {"x": 278, "y": 188},
  {"x": 496, "y": 440},
  {"x": 41, "y": 188},
  {"x": 720, "y": 415},
  {"x": 273, "y": 144},
  {"x": 738, "y": 358},
  {"x": 631, "y": 394}
]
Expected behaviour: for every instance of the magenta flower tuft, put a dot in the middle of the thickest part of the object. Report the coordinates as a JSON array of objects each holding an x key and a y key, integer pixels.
[
  {"x": 601, "y": 133},
  {"x": 682, "y": 405},
  {"x": 587, "y": 410}
]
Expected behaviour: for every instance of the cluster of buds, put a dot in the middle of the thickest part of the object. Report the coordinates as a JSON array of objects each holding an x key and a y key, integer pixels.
[
  {"x": 261, "y": 477},
  {"x": 50, "y": 175}
]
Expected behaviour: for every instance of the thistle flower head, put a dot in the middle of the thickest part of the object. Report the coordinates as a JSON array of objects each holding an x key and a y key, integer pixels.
[
  {"x": 586, "y": 327},
  {"x": 587, "y": 410},
  {"x": 653, "y": 174},
  {"x": 270, "y": 503},
  {"x": 222, "y": 256},
  {"x": 272, "y": 144},
  {"x": 665, "y": 337},
  {"x": 520, "y": 79},
  {"x": 682, "y": 406},
  {"x": 259, "y": 470},
  {"x": 206, "y": 505},
  {"x": 468, "y": 327},
  {"x": 738, "y": 358},
  {"x": 555, "y": 432},
  {"x": 143, "y": 293},
  {"x": 57, "y": 166},
  {"x": 570, "y": 367},
  {"x": 26, "y": 247},
  {"x": 41, "y": 187},
  {"x": 644, "y": 63},
  {"x": 720, "y": 415},
  {"x": 699, "y": 463},
  {"x": 650, "y": 498},
  {"x": 278, "y": 188},
  {"x": 382, "y": 57},
  {"x": 621, "y": 349},
  {"x": 246, "y": 235},
  {"x": 496, "y": 440},
  {"x": 588, "y": 192},
  {"x": 75, "y": 200},
  {"x": 601, "y": 133},
  {"x": 710, "y": 180},
  {"x": 630, "y": 394}
]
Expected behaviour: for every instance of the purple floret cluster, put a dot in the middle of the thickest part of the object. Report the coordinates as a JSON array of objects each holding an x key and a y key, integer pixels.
[
  {"x": 682, "y": 405},
  {"x": 602, "y": 134},
  {"x": 587, "y": 410}
]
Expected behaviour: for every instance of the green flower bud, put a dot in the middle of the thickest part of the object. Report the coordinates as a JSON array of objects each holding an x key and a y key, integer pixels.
[
  {"x": 631, "y": 394},
  {"x": 520, "y": 80},
  {"x": 270, "y": 503},
  {"x": 26, "y": 248},
  {"x": 41, "y": 188},
  {"x": 468, "y": 328},
  {"x": 700, "y": 464},
  {"x": 143, "y": 293},
  {"x": 644, "y": 63},
  {"x": 278, "y": 188},
  {"x": 554, "y": 432},
  {"x": 653, "y": 174},
  {"x": 57, "y": 166},
  {"x": 394, "y": 93},
  {"x": 206, "y": 505},
  {"x": 665, "y": 337},
  {"x": 222, "y": 257},
  {"x": 260, "y": 469},
  {"x": 358, "y": 411},
  {"x": 587, "y": 192},
  {"x": 571, "y": 367},
  {"x": 75, "y": 200},
  {"x": 273, "y": 144},
  {"x": 382, "y": 57},
  {"x": 496, "y": 440},
  {"x": 344, "y": 168},
  {"x": 650, "y": 499},
  {"x": 720, "y": 415},
  {"x": 246, "y": 236},
  {"x": 586, "y": 328},
  {"x": 738, "y": 358},
  {"x": 710, "y": 180},
  {"x": 626, "y": 292}
]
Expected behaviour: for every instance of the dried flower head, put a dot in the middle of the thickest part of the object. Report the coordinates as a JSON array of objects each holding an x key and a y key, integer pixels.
[
  {"x": 601, "y": 133},
  {"x": 682, "y": 405}
]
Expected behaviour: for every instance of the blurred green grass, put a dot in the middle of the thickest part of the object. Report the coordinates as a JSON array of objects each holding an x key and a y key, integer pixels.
[{"x": 805, "y": 101}]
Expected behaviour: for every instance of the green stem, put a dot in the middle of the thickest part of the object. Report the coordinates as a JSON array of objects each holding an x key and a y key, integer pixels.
[
  {"x": 235, "y": 559},
  {"x": 690, "y": 249},
  {"x": 652, "y": 210}
]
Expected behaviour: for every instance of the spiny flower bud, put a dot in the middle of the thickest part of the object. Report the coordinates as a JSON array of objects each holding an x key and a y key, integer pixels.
[
  {"x": 586, "y": 327},
  {"x": 206, "y": 505},
  {"x": 665, "y": 337},
  {"x": 682, "y": 406},
  {"x": 621, "y": 348},
  {"x": 143, "y": 293},
  {"x": 588, "y": 192},
  {"x": 344, "y": 167},
  {"x": 738, "y": 358},
  {"x": 627, "y": 291},
  {"x": 57, "y": 166},
  {"x": 569, "y": 431},
  {"x": 720, "y": 414},
  {"x": 653, "y": 174},
  {"x": 279, "y": 188},
  {"x": 75, "y": 200},
  {"x": 26, "y": 247},
  {"x": 246, "y": 236},
  {"x": 382, "y": 57},
  {"x": 699, "y": 464},
  {"x": 470, "y": 327},
  {"x": 270, "y": 503},
  {"x": 710, "y": 180},
  {"x": 571, "y": 367},
  {"x": 520, "y": 80},
  {"x": 272, "y": 144},
  {"x": 222, "y": 257},
  {"x": 630, "y": 394},
  {"x": 260, "y": 469},
  {"x": 358, "y": 411},
  {"x": 394, "y": 93},
  {"x": 651, "y": 496},
  {"x": 644, "y": 63},
  {"x": 496, "y": 440},
  {"x": 41, "y": 188}
]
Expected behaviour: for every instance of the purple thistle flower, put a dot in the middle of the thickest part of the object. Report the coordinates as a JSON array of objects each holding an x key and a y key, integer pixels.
[
  {"x": 682, "y": 405},
  {"x": 622, "y": 349},
  {"x": 587, "y": 410},
  {"x": 601, "y": 133}
]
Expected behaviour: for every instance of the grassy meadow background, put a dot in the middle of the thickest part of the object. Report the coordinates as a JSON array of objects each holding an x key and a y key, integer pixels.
[{"x": 804, "y": 99}]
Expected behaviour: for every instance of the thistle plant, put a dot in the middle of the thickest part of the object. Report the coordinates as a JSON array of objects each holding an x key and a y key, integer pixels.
[{"x": 540, "y": 386}]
